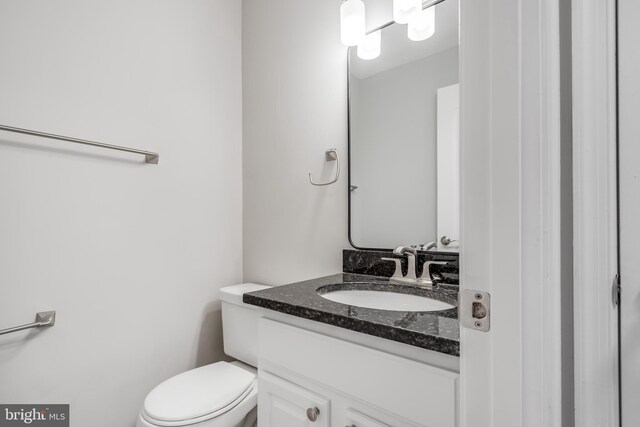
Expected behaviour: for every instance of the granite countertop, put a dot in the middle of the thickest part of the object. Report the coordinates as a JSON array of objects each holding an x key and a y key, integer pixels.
[{"x": 436, "y": 330}]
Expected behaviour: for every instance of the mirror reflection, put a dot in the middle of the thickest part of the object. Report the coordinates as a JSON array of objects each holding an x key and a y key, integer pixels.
[{"x": 403, "y": 138}]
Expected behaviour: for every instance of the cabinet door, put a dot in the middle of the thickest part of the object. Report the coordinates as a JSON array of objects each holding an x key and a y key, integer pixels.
[
  {"x": 283, "y": 404},
  {"x": 356, "y": 419},
  {"x": 421, "y": 394}
]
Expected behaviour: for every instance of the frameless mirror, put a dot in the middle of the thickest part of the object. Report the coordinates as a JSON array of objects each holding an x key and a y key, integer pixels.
[{"x": 403, "y": 139}]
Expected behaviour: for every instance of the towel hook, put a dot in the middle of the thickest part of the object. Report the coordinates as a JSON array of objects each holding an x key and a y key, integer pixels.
[{"x": 330, "y": 155}]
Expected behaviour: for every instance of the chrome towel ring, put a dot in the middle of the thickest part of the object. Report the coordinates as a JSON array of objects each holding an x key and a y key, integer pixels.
[{"x": 330, "y": 155}]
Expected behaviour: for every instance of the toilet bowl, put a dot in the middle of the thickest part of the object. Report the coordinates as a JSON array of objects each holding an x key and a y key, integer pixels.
[
  {"x": 218, "y": 395},
  {"x": 222, "y": 394}
]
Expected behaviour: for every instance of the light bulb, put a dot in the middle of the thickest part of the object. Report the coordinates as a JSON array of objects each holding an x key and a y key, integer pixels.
[
  {"x": 403, "y": 10},
  {"x": 422, "y": 25},
  {"x": 352, "y": 25},
  {"x": 369, "y": 48}
]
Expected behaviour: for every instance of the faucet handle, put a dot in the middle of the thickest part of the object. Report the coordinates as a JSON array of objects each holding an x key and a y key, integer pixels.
[
  {"x": 426, "y": 269},
  {"x": 397, "y": 274}
]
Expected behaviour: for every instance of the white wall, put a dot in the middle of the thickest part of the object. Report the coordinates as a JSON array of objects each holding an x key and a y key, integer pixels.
[
  {"x": 394, "y": 161},
  {"x": 130, "y": 255},
  {"x": 295, "y": 107}
]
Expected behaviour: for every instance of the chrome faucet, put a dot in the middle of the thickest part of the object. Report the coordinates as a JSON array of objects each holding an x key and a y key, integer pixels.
[
  {"x": 425, "y": 280},
  {"x": 411, "y": 254}
]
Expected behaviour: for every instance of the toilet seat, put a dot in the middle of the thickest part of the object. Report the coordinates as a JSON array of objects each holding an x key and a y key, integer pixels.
[{"x": 202, "y": 395}]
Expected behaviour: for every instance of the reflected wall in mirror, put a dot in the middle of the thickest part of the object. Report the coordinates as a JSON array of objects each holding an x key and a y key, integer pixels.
[{"x": 403, "y": 139}]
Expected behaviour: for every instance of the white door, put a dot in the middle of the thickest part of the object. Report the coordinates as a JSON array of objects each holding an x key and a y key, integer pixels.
[
  {"x": 629, "y": 165},
  {"x": 510, "y": 211}
]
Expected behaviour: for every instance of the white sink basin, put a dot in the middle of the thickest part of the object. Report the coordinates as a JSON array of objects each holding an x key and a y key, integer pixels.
[{"x": 382, "y": 300}]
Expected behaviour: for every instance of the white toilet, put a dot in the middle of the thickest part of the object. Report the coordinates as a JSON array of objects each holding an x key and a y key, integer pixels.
[{"x": 221, "y": 394}]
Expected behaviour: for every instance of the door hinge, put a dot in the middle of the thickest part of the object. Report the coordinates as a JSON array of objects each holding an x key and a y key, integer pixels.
[
  {"x": 474, "y": 309},
  {"x": 615, "y": 290}
]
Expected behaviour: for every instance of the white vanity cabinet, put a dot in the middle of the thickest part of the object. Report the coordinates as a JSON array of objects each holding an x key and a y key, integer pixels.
[
  {"x": 311, "y": 379},
  {"x": 353, "y": 418},
  {"x": 285, "y": 404}
]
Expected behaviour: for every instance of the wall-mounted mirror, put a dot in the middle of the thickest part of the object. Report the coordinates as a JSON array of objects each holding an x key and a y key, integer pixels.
[{"x": 403, "y": 138}]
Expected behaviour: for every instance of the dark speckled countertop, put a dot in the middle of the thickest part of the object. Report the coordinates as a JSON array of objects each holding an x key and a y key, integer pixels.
[{"x": 435, "y": 330}]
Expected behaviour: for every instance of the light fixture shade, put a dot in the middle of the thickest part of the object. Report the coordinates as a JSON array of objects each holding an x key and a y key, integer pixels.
[
  {"x": 369, "y": 48},
  {"x": 403, "y": 10},
  {"x": 422, "y": 25},
  {"x": 352, "y": 24}
]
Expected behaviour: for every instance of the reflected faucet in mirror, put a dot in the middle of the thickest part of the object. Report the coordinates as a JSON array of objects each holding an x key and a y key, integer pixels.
[{"x": 426, "y": 246}]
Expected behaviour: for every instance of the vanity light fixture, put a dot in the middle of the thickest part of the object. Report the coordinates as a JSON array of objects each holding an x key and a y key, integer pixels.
[
  {"x": 422, "y": 25},
  {"x": 403, "y": 10},
  {"x": 352, "y": 24},
  {"x": 369, "y": 48}
]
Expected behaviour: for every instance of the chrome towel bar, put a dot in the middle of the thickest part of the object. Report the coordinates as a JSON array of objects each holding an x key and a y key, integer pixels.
[
  {"x": 149, "y": 157},
  {"x": 43, "y": 319}
]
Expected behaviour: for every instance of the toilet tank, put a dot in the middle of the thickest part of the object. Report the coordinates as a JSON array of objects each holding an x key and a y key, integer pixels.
[{"x": 240, "y": 323}]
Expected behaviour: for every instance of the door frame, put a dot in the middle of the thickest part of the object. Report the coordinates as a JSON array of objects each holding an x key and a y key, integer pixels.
[
  {"x": 511, "y": 211},
  {"x": 595, "y": 212}
]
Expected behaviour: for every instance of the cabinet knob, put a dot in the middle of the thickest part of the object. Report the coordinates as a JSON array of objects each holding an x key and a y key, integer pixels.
[{"x": 312, "y": 414}]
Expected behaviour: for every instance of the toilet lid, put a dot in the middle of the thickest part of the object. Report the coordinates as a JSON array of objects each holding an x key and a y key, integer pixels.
[{"x": 198, "y": 392}]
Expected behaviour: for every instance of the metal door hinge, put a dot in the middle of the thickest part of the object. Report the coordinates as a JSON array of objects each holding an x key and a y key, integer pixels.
[
  {"x": 615, "y": 290},
  {"x": 474, "y": 309}
]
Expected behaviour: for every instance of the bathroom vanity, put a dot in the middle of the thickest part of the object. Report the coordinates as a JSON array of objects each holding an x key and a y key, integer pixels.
[
  {"x": 325, "y": 363},
  {"x": 376, "y": 345}
]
